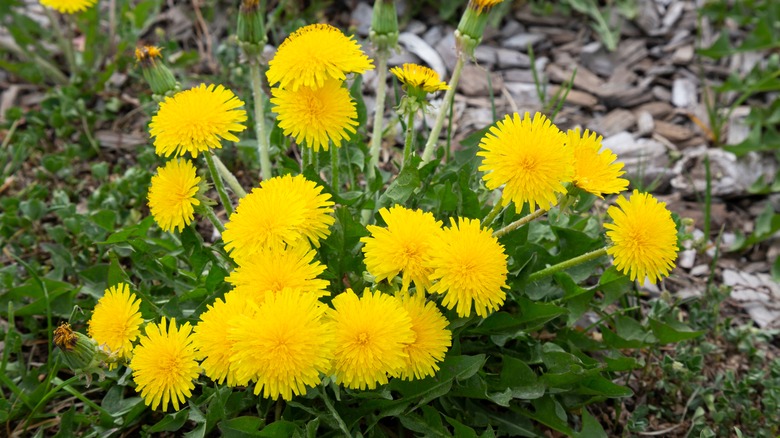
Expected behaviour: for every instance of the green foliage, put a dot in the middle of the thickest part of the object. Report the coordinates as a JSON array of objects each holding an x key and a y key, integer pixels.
[{"x": 757, "y": 20}]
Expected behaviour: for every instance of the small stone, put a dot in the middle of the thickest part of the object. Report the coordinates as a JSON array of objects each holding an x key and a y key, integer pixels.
[
  {"x": 644, "y": 123},
  {"x": 518, "y": 75},
  {"x": 474, "y": 81},
  {"x": 511, "y": 28},
  {"x": 700, "y": 270},
  {"x": 683, "y": 93},
  {"x": 508, "y": 58},
  {"x": 662, "y": 93},
  {"x": 522, "y": 40},
  {"x": 485, "y": 55},
  {"x": 683, "y": 55},
  {"x": 686, "y": 258},
  {"x": 446, "y": 49},
  {"x": 416, "y": 27}
]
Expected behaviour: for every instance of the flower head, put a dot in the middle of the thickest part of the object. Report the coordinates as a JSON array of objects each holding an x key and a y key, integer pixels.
[
  {"x": 404, "y": 246},
  {"x": 197, "y": 119},
  {"x": 172, "y": 195},
  {"x": 431, "y": 341},
  {"x": 595, "y": 170},
  {"x": 69, "y": 6},
  {"x": 469, "y": 266},
  {"x": 116, "y": 321},
  {"x": 371, "y": 333},
  {"x": 210, "y": 337},
  {"x": 420, "y": 78},
  {"x": 272, "y": 269},
  {"x": 316, "y": 116},
  {"x": 644, "y": 237},
  {"x": 313, "y": 54},
  {"x": 164, "y": 364},
  {"x": 529, "y": 157},
  {"x": 284, "y": 210},
  {"x": 284, "y": 346}
]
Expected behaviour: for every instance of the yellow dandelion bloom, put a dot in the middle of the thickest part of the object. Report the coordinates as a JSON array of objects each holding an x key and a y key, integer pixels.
[
  {"x": 419, "y": 77},
  {"x": 403, "y": 246},
  {"x": 595, "y": 170},
  {"x": 116, "y": 321},
  {"x": 284, "y": 346},
  {"x": 529, "y": 158},
  {"x": 644, "y": 237},
  {"x": 284, "y": 210},
  {"x": 479, "y": 5},
  {"x": 371, "y": 333},
  {"x": 469, "y": 266},
  {"x": 210, "y": 337},
  {"x": 69, "y": 6},
  {"x": 432, "y": 339},
  {"x": 316, "y": 116},
  {"x": 313, "y": 54},
  {"x": 197, "y": 119},
  {"x": 172, "y": 193},
  {"x": 272, "y": 269},
  {"x": 164, "y": 365}
]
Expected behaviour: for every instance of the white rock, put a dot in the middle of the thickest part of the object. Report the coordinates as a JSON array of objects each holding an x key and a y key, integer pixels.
[
  {"x": 522, "y": 40},
  {"x": 684, "y": 93},
  {"x": 424, "y": 51}
]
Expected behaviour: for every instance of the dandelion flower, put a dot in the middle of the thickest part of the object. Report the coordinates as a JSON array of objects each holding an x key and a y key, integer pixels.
[
  {"x": 171, "y": 196},
  {"x": 403, "y": 246},
  {"x": 316, "y": 116},
  {"x": 284, "y": 346},
  {"x": 644, "y": 237},
  {"x": 371, "y": 333},
  {"x": 164, "y": 364},
  {"x": 272, "y": 269},
  {"x": 116, "y": 321},
  {"x": 595, "y": 170},
  {"x": 210, "y": 337},
  {"x": 314, "y": 54},
  {"x": 284, "y": 210},
  {"x": 420, "y": 78},
  {"x": 69, "y": 6},
  {"x": 529, "y": 158},
  {"x": 197, "y": 119},
  {"x": 469, "y": 266},
  {"x": 432, "y": 339}
]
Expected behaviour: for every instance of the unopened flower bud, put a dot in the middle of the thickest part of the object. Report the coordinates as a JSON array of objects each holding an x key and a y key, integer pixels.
[
  {"x": 79, "y": 352},
  {"x": 384, "y": 25},
  {"x": 472, "y": 24},
  {"x": 157, "y": 74},
  {"x": 250, "y": 29}
]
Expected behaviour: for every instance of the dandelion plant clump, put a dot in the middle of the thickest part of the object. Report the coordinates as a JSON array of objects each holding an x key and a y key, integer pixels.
[{"x": 323, "y": 295}]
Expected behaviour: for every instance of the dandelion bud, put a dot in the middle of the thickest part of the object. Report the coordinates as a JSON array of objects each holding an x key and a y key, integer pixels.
[
  {"x": 472, "y": 24},
  {"x": 251, "y": 29},
  {"x": 80, "y": 353},
  {"x": 157, "y": 74},
  {"x": 384, "y": 25}
]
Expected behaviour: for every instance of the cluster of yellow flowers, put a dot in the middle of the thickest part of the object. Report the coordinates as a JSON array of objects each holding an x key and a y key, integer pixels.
[
  {"x": 273, "y": 329},
  {"x": 534, "y": 161},
  {"x": 311, "y": 102}
]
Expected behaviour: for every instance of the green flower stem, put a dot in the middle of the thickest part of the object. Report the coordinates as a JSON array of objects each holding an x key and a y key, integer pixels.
[
  {"x": 262, "y": 138},
  {"x": 209, "y": 213},
  {"x": 408, "y": 142},
  {"x": 334, "y": 167},
  {"x": 519, "y": 223},
  {"x": 66, "y": 43},
  {"x": 229, "y": 178},
  {"x": 493, "y": 214},
  {"x": 218, "y": 185},
  {"x": 433, "y": 137},
  {"x": 379, "y": 112},
  {"x": 550, "y": 270}
]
